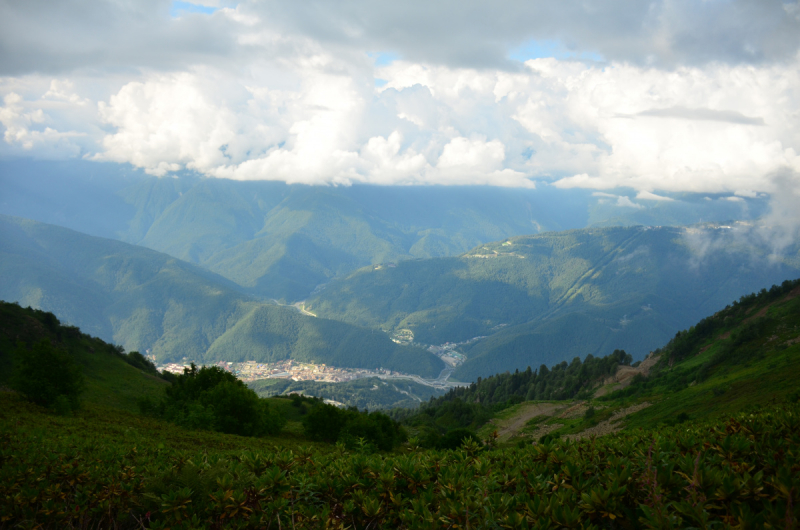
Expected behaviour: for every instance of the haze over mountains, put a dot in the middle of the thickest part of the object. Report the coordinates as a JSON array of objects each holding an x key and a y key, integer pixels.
[
  {"x": 281, "y": 241},
  {"x": 555, "y": 296},
  {"x": 148, "y": 301},
  {"x": 447, "y": 263}
]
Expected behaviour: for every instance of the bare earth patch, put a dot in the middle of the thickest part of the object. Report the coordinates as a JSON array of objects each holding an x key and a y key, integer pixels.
[
  {"x": 578, "y": 409},
  {"x": 625, "y": 374},
  {"x": 506, "y": 428},
  {"x": 610, "y": 425}
]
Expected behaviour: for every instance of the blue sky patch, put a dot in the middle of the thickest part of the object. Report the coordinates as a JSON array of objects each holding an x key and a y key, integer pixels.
[
  {"x": 539, "y": 49},
  {"x": 180, "y": 8},
  {"x": 383, "y": 58}
]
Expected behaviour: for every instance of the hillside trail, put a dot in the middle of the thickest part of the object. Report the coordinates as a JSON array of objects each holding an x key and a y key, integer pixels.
[{"x": 508, "y": 427}]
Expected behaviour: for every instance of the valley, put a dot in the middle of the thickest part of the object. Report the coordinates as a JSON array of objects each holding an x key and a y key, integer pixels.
[
  {"x": 716, "y": 405},
  {"x": 560, "y": 295},
  {"x": 251, "y": 371},
  {"x": 538, "y": 299},
  {"x": 274, "y": 265}
]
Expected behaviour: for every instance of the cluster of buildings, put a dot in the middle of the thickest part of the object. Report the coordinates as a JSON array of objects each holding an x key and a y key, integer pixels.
[{"x": 289, "y": 369}]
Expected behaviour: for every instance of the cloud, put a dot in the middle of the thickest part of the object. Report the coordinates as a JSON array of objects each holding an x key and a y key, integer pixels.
[
  {"x": 647, "y": 196},
  {"x": 29, "y": 130},
  {"x": 56, "y": 38},
  {"x": 667, "y": 96},
  {"x": 322, "y": 120},
  {"x": 729, "y": 116},
  {"x": 627, "y": 203},
  {"x": 477, "y": 34}
]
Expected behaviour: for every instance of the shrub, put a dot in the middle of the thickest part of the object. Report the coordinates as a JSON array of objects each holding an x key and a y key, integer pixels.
[
  {"x": 327, "y": 423},
  {"x": 213, "y": 399},
  {"x": 47, "y": 376}
]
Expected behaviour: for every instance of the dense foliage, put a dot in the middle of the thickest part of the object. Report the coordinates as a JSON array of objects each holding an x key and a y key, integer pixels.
[
  {"x": 137, "y": 360},
  {"x": 328, "y": 423},
  {"x": 58, "y": 353},
  {"x": 210, "y": 398},
  {"x": 474, "y": 405},
  {"x": 47, "y": 376},
  {"x": 100, "y": 471}
]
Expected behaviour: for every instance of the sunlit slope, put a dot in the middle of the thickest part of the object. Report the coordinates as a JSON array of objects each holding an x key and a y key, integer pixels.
[
  {"x": 549, "y": 297},
  {"x": 110, "y": 381},
  {"x": 145, "y": 300},
  {"x": 744, "y": 356}
]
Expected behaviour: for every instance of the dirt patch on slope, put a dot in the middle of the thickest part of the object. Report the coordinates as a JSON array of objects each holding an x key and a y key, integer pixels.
[
  {"x": 578, "y": 409},
  {"x": 625, "y": 374},
  {"x": 506, "y": 428},
  {"x": 610, "y": 425}
]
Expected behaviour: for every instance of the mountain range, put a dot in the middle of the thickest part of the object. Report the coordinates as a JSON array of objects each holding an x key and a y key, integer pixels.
[
  {"x": 148, "y": 301},
  {"x": 281, "y": 241},
  {"x": 197, "y": 268},
  {"x": 550, "y": 297}
]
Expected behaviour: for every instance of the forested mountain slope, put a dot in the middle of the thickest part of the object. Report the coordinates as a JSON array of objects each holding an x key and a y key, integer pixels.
[
  {"x": 550, "y": 297},
  {"x": 745, "y": 355},
  {"x": 281, "y": 241},
  {"x": 148, "y": 301},
  {"x": 111, "y": 377}
]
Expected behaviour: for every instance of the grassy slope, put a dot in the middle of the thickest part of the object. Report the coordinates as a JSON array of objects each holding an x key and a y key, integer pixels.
[
  {"x": 765, "y": 377},
  {"x": 146, "y": 300},
  {"x": 628, "y": 288},
  {"x": 113, "y": 387},
  {"x": 110, "y": 381}
]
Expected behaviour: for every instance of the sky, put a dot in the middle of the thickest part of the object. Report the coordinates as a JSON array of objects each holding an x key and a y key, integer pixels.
[{"x": 660, "y": 97}]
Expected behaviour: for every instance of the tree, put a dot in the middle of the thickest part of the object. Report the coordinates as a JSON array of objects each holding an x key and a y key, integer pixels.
[
  {"x": 324, "y": 422},
  {"x": 47, "y": 376},
  {"x": 210, "y": 398}
]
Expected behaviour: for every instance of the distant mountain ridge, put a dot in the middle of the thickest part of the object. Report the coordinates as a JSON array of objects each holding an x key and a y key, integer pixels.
[
  {"x": 281, "y": 241},
  {"x": 546, "y": 298},
  {"x": 148, "y": 301}
]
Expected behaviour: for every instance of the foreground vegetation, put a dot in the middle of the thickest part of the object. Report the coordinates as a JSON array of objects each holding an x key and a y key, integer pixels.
[
  {"x": 717, "y": 448},
  {"x": 119, "y": 470}
]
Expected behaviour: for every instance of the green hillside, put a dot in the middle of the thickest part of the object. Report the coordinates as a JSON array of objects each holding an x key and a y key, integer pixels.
[
  {"x": 718, "y": 445},
  {"x": 743, "y": 357},
  {"x": 113, "y": 380},
  {"x": 550, "y": 297},
  {"x": 151, "y": 302},
  {"x": 281, "y": 241}
]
